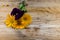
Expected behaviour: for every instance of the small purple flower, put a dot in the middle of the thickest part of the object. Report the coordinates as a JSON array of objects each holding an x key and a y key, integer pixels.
[{"x": 18, "y": 13}]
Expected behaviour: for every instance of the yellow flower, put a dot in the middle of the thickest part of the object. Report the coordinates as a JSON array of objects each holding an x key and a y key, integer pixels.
[
  {"x": 26, "y": 18},
  {"x": 9, "y": 21},
  {"x": 18, "y": 24},
  {"x": 22, "y": 22}
]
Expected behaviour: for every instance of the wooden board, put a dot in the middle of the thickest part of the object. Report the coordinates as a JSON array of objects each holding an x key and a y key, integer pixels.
[{"x": 45, "y": 23}]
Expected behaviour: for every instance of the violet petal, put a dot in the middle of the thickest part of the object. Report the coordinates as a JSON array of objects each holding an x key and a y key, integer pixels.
[{"x": 19, "y": 15}]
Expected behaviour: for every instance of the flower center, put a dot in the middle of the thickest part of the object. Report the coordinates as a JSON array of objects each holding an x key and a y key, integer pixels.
[
  {"x": 18, "y": 22},
  {"x": 25, "y": 18}
]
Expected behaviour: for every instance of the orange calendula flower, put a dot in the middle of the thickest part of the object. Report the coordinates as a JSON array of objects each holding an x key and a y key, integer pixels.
[
  {"x": 18, "y": 24},
  {"x": 23, "y": 21},
  {"x": 26, "y": 18},
  {"x": 10, "y": 20}
]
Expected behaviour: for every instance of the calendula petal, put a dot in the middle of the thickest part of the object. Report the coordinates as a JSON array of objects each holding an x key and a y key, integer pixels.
[
  {"x": 22, "y": 27},
  {"x": 9, "y": 25}
]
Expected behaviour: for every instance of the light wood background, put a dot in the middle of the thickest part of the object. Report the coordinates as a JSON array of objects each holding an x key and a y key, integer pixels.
[{"x": 45, "y": 21}]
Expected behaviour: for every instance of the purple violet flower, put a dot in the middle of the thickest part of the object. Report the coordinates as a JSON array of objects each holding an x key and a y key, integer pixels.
[{"x": 18, "y": 13}]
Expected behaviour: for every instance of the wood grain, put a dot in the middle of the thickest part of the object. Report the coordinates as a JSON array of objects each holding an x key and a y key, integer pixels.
[{"x": 45, "y": 23}]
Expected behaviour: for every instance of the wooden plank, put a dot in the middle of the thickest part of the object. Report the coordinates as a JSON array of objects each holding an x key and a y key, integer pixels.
[{"x": 45, "y": 24}]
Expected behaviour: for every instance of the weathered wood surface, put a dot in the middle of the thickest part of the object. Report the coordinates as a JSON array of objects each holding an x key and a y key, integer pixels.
[{"x": 45, "y": 23}]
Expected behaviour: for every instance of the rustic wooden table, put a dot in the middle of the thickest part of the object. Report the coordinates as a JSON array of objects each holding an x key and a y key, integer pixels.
[{"x": 45, "y": 22}]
